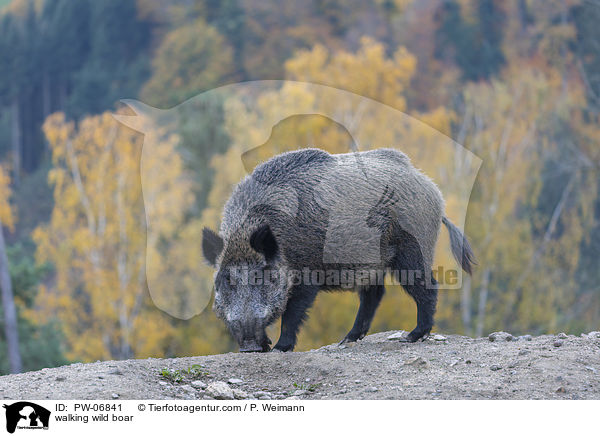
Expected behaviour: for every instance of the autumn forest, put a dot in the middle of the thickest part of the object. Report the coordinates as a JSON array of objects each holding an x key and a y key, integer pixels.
[{"x": 125, "y": 125}]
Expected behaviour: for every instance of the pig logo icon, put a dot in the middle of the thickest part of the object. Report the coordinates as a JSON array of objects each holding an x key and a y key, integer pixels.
[{"x": 26, "y": 415}]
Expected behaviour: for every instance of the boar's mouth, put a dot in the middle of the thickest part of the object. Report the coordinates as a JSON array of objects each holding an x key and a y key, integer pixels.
[{"x": 252, "y": 346}]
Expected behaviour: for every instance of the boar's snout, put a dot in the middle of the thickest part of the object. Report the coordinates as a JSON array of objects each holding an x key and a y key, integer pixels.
[
  {"x": 251, "y": 335},
  {"x": 252, "y": 345}
]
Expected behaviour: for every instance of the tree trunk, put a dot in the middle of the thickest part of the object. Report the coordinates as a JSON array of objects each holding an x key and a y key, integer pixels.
[
  {"x": 62, "y": 94},
  {"x": 10, "y": 312},
  {"x": 46, "y": 95},
  {"x": 483, "y": 294},
  {"x": 465, "y": 303},
  {"x": 16, "y": 139},
  {"x": 126, "y": 351}
]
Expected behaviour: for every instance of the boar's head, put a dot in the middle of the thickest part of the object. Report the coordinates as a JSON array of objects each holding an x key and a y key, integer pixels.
[{"x": 250, "y": 284}]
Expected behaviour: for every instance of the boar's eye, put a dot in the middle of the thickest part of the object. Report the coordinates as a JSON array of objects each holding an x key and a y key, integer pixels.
[{"x": 263, "y": 241}]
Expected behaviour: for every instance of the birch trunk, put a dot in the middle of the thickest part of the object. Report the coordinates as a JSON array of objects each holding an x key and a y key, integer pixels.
[
  {"x": 10, "y": 312},
  {"x": 16, "y": 139},
  {"x": 465, "y": 302},
  {"x": 483, "y": 294}
]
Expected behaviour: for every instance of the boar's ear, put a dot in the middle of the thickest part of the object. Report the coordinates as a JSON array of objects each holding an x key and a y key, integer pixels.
[
  {"x": 212, "y": 245},
  {"x": 263, "y": 241}
]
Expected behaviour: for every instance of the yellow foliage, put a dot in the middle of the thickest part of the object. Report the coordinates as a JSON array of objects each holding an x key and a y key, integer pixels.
[
  {"x": 368, "y": 72},
  {"x": 6, "y": 213},
  {"x": 97, "y": 236}
]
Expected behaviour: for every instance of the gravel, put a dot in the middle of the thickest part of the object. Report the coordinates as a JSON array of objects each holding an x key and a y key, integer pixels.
[
  {"x": 198, "y": 384},
  {"x": 456, "y": 368},
  {"x": 500, "y": 337},
  {"x": 220, "y": 391},
  {"x": 558, "y": 343}
]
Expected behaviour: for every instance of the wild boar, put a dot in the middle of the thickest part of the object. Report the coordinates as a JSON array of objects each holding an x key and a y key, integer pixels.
[{"x": 306, "y": 221}]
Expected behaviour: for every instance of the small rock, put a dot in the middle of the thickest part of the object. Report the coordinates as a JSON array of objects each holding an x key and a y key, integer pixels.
[
  {"x": 115, "y": 396},
  {"x": 293, "y": 397},
  {"x": 188, "y": 389},
  {"x": 418, "y": 362},
  {"x": 558, "y": 343},
  {"x": 523, "y": 352},
  {"x": 235, "y": 381},
  {"x": 262, "y": 395},
  {"x": 591, "y": 368},
  {"x": 512, "y": 364},
  {"x": 396, "y": 336},
  {"x": 342, "y": 346},
  {"x": 198, "y": 384},
  {"x": 60, "y": 378},
  {"x": 561, "y": 390},
  {"x": 495, "y": 367},
  {"x": 500, "y": 337},
  {"x": 454, "y": 362},
  {"x": 526, "y": 337},
  {"x": 372, "y": 389},
  {"x": 239, "y": 394},
  {"x": 220, "y": 391},
  {"x": 439, "y": 338},
  {"x": 299, "y": 392},
  {"x": 116, "y": 371},
  {"x": 562, "y": 335},
  {"x": 593, "y": 335},
  {"x": 357, "y": 381},
  {"x": 162, "y": 383}
]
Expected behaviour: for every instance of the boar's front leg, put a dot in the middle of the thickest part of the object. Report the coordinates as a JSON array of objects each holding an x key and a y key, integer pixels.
[
  {"x": 370, "y": 297},
  {"x": 301, "y": 298}
]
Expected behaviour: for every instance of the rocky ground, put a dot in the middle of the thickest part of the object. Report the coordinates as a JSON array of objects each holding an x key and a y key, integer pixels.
[{"x": 379, "y": 367}]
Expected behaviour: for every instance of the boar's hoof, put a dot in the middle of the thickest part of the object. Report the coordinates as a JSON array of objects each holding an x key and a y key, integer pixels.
[
  {"x": 266, "y": 346},
  {"x": 351, "y": 337},
  {"x": 415, "y": 335},
  {"x": 283, "y": 347}
]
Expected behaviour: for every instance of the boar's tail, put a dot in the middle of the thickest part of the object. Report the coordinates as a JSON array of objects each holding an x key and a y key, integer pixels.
[{"x": 461, "y": 249}]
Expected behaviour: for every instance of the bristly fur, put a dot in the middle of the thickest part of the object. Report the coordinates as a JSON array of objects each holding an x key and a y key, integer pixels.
[{"x": 311, "y": 210}]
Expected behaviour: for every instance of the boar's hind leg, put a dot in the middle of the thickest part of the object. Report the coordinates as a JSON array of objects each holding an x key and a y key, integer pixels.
[
  {"x": 410, "y": 267},
  {"x": 370, "y": 296},
  {"x": 426, "y": 299},
  {"x": 302, "y": 297}
]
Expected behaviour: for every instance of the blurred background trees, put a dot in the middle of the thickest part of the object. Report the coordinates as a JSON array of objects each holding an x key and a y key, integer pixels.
[{"x": 516, "y": 82}]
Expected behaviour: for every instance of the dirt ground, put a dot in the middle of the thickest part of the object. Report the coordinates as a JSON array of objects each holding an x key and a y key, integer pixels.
[{"x": 378, "y": 367}]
